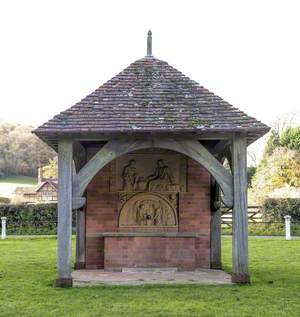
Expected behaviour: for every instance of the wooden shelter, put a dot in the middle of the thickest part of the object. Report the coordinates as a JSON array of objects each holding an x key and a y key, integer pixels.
[{"x": 148, "y": 178}]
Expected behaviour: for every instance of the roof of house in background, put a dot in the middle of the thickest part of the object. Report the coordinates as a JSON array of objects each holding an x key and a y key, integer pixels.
[
  {"x": 33, "y": 190},
  {"x": 150, "y": 96},
  {"x": 51, "y": 182}
]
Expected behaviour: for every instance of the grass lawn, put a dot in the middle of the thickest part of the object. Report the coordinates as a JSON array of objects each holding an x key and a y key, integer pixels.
[
  {"x": 9, "y": 183},
  {"x": 27, "y": 272}
]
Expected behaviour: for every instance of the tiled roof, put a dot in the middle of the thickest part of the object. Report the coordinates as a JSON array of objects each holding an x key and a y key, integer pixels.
[
  {"x": 151, "y": 96},
  {"x": 51, "y": 182}
]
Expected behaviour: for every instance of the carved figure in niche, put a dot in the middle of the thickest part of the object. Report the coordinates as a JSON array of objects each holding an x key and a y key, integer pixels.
[
  {"x": 158, "y": 215},
  {"x": 147, "y": 210},
  {"x": 162, "y": 178},
  {"x": 151, "y": 213},
  {"x": 130, "y": 176},
  {"x": 141, "y": 215}
]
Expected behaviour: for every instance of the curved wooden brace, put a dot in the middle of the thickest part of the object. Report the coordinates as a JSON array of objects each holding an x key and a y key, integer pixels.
[
  {"x": 191, "y": 148},
  {"x": 110, "y": 151}
]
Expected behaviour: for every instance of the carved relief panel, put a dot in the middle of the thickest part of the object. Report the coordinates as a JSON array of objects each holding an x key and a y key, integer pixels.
[
  {"x": 148, "y": 211},
  {"x": 151, "y": 172},
  {"x": 148, "y": 186}
]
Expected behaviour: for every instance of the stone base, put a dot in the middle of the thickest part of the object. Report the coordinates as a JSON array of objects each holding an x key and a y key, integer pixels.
[
  {"x": 64, "y": 282},
  {"x": 79, "y": 265},
  {"x": 216, "y": 265},
  {"x": 101, "y": 277},
  {"x": 240, "y": 278}
]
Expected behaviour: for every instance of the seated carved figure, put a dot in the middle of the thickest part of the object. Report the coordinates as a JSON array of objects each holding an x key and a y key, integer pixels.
[{"x": 161, "y": 179}]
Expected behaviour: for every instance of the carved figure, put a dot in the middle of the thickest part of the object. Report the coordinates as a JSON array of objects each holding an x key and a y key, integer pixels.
[
  {"x": 159, "y": 215},
  {"x": 161, "y": 179},
  {"x": 151, "y": 213},
  {"x": 147, "y": 210},
  {"x": 141, "y": 215},
  {"x": 130, "y": 176}
]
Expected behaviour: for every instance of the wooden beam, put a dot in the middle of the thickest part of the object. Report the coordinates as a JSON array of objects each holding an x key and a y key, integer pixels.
[
  {"x": 191, "y": 148},
  {"x": 215, "y": 235},
  {"x": 110, "y": 151},
  {"x": 79, "y": 154},
  {"x": 239, "y": 216},
  {"x": 80, "y": 239},
  {"x": 198, "y": 152},
  {"x": 220, "y": 147},
  {"x": 64, "y": 226},
  {"x": 94, "y": 136}
]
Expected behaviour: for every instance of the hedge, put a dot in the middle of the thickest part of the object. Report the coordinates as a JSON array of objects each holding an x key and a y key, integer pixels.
[
  {"x": 31, "y": 219},
  {"x": 275, "y": 209},
  {"x": 4, "y": 200},
  {"x": 266, "y": 229}
]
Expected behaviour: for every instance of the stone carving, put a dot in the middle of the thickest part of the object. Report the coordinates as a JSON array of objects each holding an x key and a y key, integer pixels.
[
  {"x": 151, "y": 213},
  {"x": 130, "y": 176},
  {"x": 161, "y": 180},
  {"x": 148, "y": 187},
  {"x": 147, "y": 210}
]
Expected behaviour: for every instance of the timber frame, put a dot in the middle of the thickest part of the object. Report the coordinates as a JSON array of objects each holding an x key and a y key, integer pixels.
[
  {"x": 148, "y": 105},
  {"x": 116, "y": 148},
  {"x": 74, "y": 178}
]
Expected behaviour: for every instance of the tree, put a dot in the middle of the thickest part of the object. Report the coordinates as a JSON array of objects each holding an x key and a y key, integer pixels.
[
  {"x": 279, "y": 170},
  {"x": 50, "y": 170},
  {"x": 21, "y": 152},
  {"x": 250, "y": 173},
  {"x": 290, "y": 138}
]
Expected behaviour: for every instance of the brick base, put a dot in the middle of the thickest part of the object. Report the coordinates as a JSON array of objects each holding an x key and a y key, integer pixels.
[
  {"x": 152, "y": 252},
  {"x": 240, "y": 278},
  {"x": 185, "y": 253},
  {"x": 64, "y": 282}
]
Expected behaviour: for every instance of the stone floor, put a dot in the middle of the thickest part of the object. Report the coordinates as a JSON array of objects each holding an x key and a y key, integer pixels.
[{"x": 156, "y": 276}]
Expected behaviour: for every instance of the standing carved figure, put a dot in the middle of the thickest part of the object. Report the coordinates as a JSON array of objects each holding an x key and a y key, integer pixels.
[
  {"x": 141, "y": 214},
  {"x": 129, "y": 176}
]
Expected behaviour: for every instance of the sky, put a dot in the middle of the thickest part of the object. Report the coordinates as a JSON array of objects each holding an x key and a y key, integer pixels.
[{"x": 54, "y": 53}]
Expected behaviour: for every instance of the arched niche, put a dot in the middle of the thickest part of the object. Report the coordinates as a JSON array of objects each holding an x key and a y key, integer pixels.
[{"x": 148, "y": 211}]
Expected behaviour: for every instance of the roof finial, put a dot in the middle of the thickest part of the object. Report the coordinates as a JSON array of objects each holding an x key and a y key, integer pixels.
[{"x": 149, "y": 43}]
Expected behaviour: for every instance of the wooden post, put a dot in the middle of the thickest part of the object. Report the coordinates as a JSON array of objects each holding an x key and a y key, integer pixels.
[
  {"x": 216, "y": 253},
  {"x": 80, "y": 239},
  {"x": 215, "y": 240},
  {"x": 64, "y": 226},
  {"x": 240, "y": 211}
]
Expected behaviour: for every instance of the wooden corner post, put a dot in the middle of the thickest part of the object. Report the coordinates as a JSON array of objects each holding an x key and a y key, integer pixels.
[
  {"x": 240, "y": 211},
  {"x": 80, "y": 239},
  {"x": 64, "y": 226},
  {"x": 215, "y": 240}
]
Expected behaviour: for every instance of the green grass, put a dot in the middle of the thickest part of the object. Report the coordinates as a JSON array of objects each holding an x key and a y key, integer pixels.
[
  {"x": 8, "y": 184},
  {"x": 19, "y": 179},
  {"x": 27, "y": 272}
]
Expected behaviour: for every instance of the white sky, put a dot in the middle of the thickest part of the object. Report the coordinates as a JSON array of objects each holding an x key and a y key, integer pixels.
[{"x": 54, "y": 53}]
